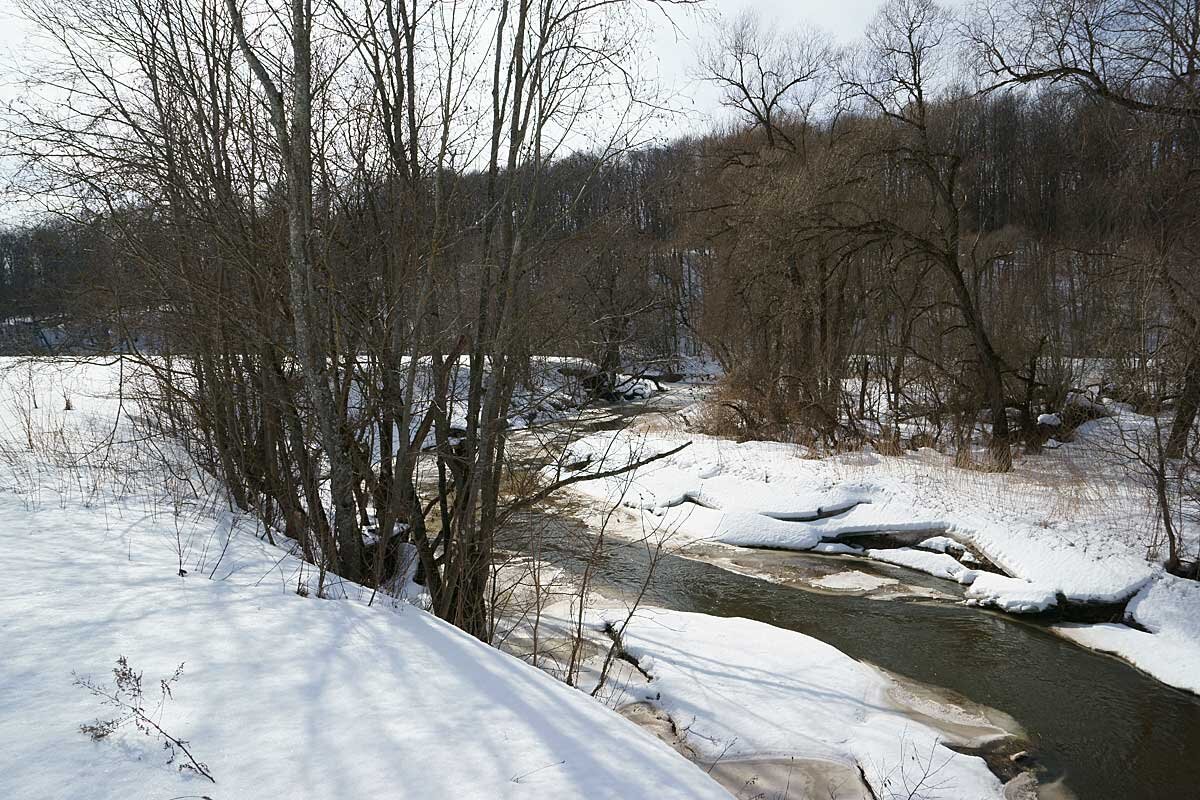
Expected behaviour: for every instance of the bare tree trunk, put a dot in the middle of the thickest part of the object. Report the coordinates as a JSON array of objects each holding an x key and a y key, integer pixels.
[
  {"x": 1185, "y": 410},
  {"x": 295, "y": 146}
]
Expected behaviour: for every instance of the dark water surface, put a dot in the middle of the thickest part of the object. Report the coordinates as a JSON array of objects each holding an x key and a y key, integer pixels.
[{"x": 1106, "y": 730}]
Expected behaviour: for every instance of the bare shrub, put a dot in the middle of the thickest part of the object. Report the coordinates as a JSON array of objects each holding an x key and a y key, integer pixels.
[{"x": 129, "y": 700}]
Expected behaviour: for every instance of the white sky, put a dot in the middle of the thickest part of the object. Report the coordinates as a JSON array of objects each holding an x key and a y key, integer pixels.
[
  {"x": 12, "y": 37},
  {"x": 673, "y": 50}
]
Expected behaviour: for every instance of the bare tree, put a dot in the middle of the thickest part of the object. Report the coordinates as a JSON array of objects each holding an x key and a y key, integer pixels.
[
  {"x": 292, "y": 120},
  {"x": 1143, "y": 55},
  {"x": 907, "y": 47},
  {"x": 766, "y": 74}
]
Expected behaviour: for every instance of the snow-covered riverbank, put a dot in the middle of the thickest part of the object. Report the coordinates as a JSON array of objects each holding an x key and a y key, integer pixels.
[
  {"x": 738, "y": 695},
  {"x": 282, "y": 693},
  {"x": 1059, "y": 534}
]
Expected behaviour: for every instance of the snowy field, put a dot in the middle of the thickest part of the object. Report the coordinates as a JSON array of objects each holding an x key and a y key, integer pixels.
[
  {"x": 1063, "y": 527},
  {"x": 280, "y": 695}
]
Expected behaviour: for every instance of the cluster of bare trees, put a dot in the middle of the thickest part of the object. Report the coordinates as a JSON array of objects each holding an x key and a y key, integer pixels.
[
  {"x": 893, "y": 240},
  {"x": 327, "y": 227}
]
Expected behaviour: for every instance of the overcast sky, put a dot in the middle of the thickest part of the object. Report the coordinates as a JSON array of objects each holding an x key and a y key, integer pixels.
[
  {"x": 674, "y": 50},
  {"x": 11, "y": 33},
  {"x": 844, "y": 20}
]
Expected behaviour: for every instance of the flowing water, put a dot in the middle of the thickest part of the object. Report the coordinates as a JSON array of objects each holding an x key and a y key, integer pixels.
[{"x": 1105, "y": 730}]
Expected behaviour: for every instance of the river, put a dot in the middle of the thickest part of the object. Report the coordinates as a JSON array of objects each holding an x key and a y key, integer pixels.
[{"x": 1094, "y": 724}]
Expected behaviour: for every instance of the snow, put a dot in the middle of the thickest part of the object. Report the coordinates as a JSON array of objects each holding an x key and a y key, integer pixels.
[
  {"x": 1170, "y": 660},
  {"x": 940, "y": 544},
  {"x": 355, "y": 695},
  {"x": 403, "y": 585},
  {"x": 281, "y": 695},
  {"x": 737, "y": 688},
  {"x": 359, "y": 694},
  {"x": 884, "y": 516},
  {"x": 1168, "y": 605},
  {"x": 939, "y": 565},
  {"x": 837, "y": 548},
  {"x": 1031, "y": 526},
  {"x": 1169, "y": 648},
  {"x": 1010, "y": 594},
  {"x": 755, "y": 530},
  {"x": 1066, "y": 525},
  {"x": 853, "y": 581},
  {"x": 1080, "y": 400},
  {"x": 631, "y": 388},
  {"x": 731, "y": 493}
]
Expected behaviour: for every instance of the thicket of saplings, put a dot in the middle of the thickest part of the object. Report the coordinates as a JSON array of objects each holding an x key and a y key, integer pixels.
[{"x": 339, "y": 279}]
